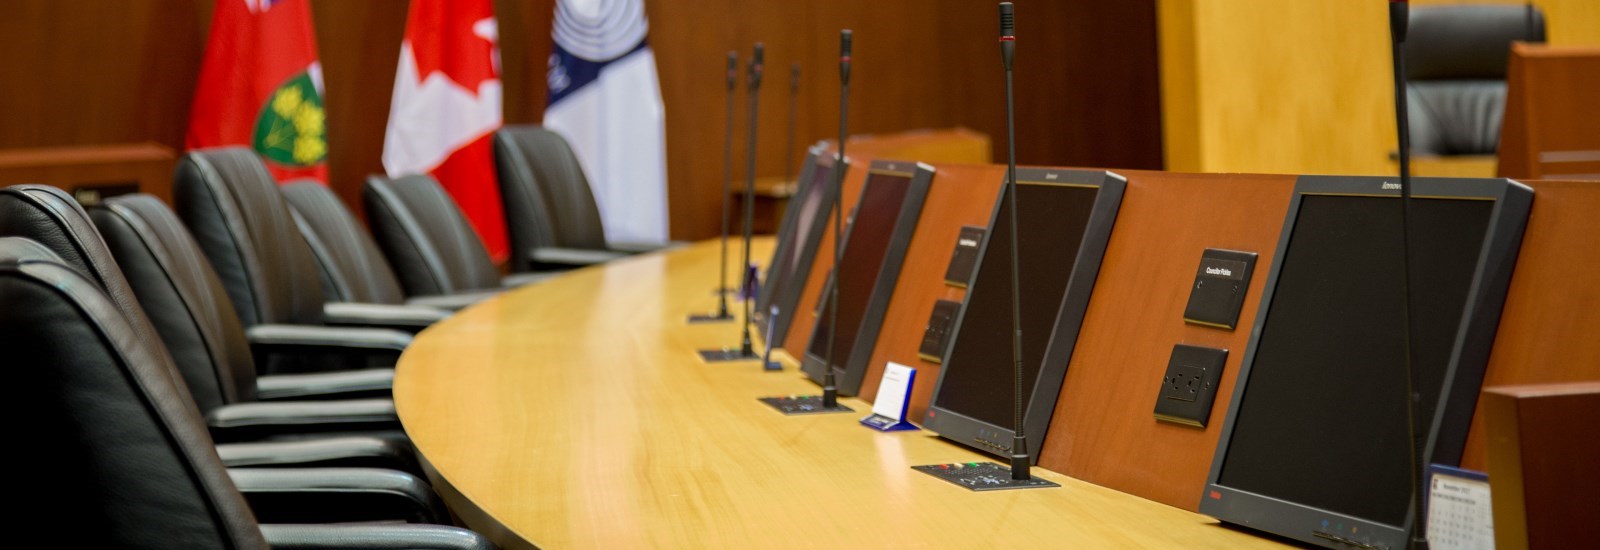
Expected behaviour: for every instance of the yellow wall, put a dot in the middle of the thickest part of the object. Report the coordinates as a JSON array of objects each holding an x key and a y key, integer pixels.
[{"x": 1298, "y": 86}]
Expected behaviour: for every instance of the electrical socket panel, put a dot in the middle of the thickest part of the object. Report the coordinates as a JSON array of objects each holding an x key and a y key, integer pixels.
[{"x": 1189, "y": 386}]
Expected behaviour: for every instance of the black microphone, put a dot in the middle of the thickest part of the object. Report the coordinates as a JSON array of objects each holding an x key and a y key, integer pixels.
[
  {"x": 1399, "y": 19},
  {"x": 727, "y": 184},
  {"x": 1020, "y": 463},
  {"x": 830, "y": 389},
  {"x": 746, "y": 346},
  {"x": 794, "y": 104}
]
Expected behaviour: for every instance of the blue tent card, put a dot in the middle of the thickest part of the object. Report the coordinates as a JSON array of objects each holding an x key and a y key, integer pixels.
[{"x": 894, "y": 393}]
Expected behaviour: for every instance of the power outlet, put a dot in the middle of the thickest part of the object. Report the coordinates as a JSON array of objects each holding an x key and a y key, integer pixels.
[
  {"x": 1182, "y": 382},
  {"x": 1189, "y": 386}
]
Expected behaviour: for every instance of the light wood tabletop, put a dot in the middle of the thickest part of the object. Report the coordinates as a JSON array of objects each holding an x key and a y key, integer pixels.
[{"x": 575, "y": 413}]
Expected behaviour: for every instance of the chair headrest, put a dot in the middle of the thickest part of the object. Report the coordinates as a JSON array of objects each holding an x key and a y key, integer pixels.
[{"x": 1467, "y": 42}]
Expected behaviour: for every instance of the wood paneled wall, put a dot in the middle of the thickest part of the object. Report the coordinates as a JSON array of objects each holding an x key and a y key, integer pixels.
[
  {"x": 103, "y": 71},
  {"x": 1295, "y": 87}
]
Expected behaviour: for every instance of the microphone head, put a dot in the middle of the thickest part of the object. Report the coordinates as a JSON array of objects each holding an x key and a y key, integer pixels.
[
  {"x": 1399, "y": 19},
  {"x": 844, "y": 43},
  {"x": 1008, "y": 27},
  {"x": 756, "y": 65},
  {"x": 733, "y": 68}
]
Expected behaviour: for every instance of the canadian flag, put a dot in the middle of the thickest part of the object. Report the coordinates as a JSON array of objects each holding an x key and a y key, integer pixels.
[{"x": 446, "y": 108}]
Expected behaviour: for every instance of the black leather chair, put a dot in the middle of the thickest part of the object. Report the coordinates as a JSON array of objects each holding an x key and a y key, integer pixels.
[
  {"x": 234, "y": 210},
  {"x": 353, "y": 268},
  {"x": 182, "y": 297},
  {"x": 432, "y": 247},
  {"x": 551, "y": 214},
  {"x": 1456, "y": 60},
  {"x": 129, "y": 463}
]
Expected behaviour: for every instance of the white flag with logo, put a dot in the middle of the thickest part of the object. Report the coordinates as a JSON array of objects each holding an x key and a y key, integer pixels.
[{"x": 606, "y": 101}]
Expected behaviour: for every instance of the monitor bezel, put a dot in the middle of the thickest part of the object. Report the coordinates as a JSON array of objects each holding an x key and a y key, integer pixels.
[
  {"x": 817, "y": 158},
  {"x": 995, "y": 439},
  {"x": 849, "y": 371},
  {"x": 1462, "y": 379}
]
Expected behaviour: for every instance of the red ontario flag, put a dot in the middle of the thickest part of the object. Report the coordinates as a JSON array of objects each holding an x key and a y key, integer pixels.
[{"x": 261, "y": 86}]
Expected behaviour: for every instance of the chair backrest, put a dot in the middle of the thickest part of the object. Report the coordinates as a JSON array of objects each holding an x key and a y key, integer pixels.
[
  {"x": 233, "y": 208},
  {"x": 51, "y": 218},
  {"x": 1456, "y": 58},
  {"x": 127, "y": 461},
  {"x": 426, "y": 237},
  {"x": 182, "y": 296},
  {"x": 353, "y": 268},
  {"x": 547, "y": 197}
]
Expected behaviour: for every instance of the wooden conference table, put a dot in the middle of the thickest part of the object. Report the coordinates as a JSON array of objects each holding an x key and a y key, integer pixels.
[{"x": 576, "y": 414}]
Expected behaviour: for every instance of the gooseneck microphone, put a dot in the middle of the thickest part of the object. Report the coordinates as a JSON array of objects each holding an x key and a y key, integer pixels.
[
  {"x": 727, "y": 184},
  {"x": 794, "y": 105},
  {"x": 830, "y": 389},
  {"x": 1020, "y": 463},
  {"x": 746, "y": 347},
  {"x": 1399, "y": 19}
]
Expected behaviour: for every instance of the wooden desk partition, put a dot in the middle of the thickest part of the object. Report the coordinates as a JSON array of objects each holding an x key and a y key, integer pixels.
[
  {"x": 1104, "y": 430},
  {"x": 1551, "y": 128},
  {"x": 146, "y": 166},
  {"x": 1542, "y": 456},
  {"x": 950, "y": 145},
  {"x": 1550, "y": 328},
  {"x": 961, "y": 194}
]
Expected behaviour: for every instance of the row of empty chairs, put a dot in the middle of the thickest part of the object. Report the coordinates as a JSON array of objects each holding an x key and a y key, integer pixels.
[{"x": 227, "y": 361}]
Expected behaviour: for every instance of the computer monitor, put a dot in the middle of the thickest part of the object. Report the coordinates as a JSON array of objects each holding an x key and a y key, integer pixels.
[
  {"x": 1063, "y": 222},
  {"x": 875, "y": 245},
  {"x": 1315, "y": 446},
  {"x": 803, "y": 225}
]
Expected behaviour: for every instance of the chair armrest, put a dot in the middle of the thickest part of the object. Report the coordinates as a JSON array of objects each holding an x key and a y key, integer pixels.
[
  {"x": 641, "y": 248},
  {"x": 332, "y": 495},
  {"x": 374, "y": 345},
  {"x": 348, "y": 384},
  {"x": 373, "y": 537},
  {"x": 515, "y": 280},
  {"x": 241, "y": 421},
  {"x": 343, "y": 451},
  {"x": 571, "y": 257},
  {"x": 410, "y": 318},
  {"x": 452, "y": 302}
]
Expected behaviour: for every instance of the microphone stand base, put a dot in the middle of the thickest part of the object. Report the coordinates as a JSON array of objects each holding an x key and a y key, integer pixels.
[
  {"x": 982, "y": 476},
  {"x": 710, "y": 318},
  {"x": 726, "y": 355},
  {"x": 796, "y": 405}
]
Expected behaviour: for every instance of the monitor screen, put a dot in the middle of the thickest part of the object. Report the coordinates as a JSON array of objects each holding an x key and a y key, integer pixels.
[
  {"x": 808, "y": 209},
  {"x": 866, "y": 243},
  {"x": 976, "y": 379},
  {"x": 1322, "y": 419}
]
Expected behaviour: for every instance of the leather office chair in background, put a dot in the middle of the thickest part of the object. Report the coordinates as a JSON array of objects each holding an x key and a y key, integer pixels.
[
  {"x": 1456, "y": 58},
  {"x": 180, "y": 294},
  {"x": 551, "y": 213},
  {"x": 353, "y": 268},
  {"x": 39, "y": 221},
  {"x": 129, "y": 463},
  {"x": 234, "y": 210},
  {"x": 50, "y": 219},
  {"x": 433, "y": 248}
]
